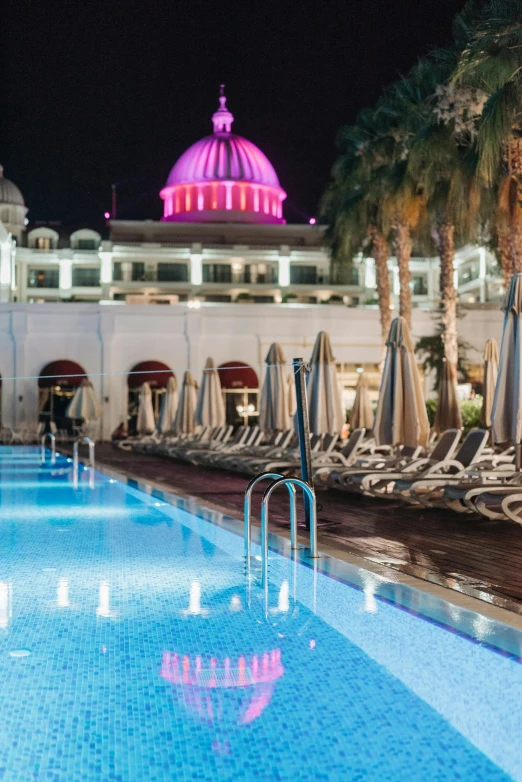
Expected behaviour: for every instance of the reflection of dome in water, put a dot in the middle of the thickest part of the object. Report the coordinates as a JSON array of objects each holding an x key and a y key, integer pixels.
[
  {"x": 235, "y": 690},
  {"x": 228, "y": 679}
]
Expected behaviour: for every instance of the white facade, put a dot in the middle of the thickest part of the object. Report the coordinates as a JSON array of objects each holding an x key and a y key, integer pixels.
[
  {"x": 107, "y": 341},
  {"x": 155, "y": 262}
]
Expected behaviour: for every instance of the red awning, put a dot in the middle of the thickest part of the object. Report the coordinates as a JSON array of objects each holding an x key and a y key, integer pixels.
[
  {"x": 155, "y": 373},
  {"x": 238, "y": 376},
  {"x": 56, "y": 374}
]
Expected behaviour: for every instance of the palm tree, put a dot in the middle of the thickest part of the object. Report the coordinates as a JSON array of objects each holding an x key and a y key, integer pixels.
[
  {"x": 492, "y": 62},
  {"x": 445, "y": 165},
  {"x": 352, "y": 206}
]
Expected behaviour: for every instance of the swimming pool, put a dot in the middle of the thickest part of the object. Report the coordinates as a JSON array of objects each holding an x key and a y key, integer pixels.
[{"x": 132, "y": 648}]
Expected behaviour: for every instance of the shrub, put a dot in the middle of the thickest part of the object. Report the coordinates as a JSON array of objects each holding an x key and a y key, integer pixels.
[
  {"x": 431, "y": 409},
  {"x": 470, "y": 410}
]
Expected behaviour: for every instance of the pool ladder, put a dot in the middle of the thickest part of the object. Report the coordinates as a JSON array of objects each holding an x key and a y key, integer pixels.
[
  {"x": 52, "y": 438},
  {"x": 290, "y": 483},
  {"x": 76, "y": 447}
]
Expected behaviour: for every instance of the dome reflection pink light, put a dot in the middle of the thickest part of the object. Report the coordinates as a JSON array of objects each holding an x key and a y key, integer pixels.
[
  {"x": 223, "y": 177},
  {"x": 245, "y": 685}
]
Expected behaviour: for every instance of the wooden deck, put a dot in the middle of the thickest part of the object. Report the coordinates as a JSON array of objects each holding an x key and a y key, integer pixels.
[{"x": 482, "y": 558}]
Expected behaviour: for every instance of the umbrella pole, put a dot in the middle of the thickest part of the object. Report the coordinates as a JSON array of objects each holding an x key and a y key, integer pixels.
[
  {"x": 303, "y": 431},
  {"x": 518, "y": 456}
]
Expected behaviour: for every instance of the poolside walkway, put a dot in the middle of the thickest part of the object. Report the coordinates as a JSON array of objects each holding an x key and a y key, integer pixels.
[{"x": 472, "y": 555}]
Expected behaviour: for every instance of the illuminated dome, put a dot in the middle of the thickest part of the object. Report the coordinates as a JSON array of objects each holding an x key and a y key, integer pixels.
[{"x": 223, "y": 178}]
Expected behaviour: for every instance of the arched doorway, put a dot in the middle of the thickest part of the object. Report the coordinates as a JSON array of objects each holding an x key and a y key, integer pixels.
[
  {"x": 156, "y": 374},
  {"x": 56, "y": 386},
  {"x": 240, "y": 386}
]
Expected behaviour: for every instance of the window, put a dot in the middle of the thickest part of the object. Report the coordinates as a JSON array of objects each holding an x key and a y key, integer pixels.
[
  {"x": 303, "y": 275},
  {"x": 469, "y": 273},
  {"x": 217, "y": 272},
  {"x": 116, "y": 271},
  {"x": 172, "y": 272},
  {"x": 261, "y": 273},
  {"x": 43, "y": 278},
  {"x": 138, "y": 272},
  {"x": 264, "y": 299},
  {"x": 83, "y": 277},
  {"x": 419, "y": 286},
  {"x": 218, "y": 297},
  {"x": 86, "y": 244},
  {"x": 43, "y": 243}
]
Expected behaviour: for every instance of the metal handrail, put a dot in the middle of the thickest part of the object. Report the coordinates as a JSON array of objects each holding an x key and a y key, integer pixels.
[
  {"x": 310, "y": 495},
  {"x": 91, "y": 452},
  {"x": 53, "y": 446},
  {"x": 247, "y": 507}
]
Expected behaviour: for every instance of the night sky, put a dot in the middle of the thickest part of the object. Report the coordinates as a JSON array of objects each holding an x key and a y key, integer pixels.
[{"x": 102, "y": 92}]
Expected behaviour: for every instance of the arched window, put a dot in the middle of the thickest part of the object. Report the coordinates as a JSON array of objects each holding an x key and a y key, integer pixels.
[
  {"x": 56, "y": 385},
  {"x": 240, "y": 386},
  {"x": 156, "y": 374}
]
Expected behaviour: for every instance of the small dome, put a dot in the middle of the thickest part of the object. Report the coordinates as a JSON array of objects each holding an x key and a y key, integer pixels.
[
  {"x": 223, "y": 177},
  {"x": 9, "y": 192}
]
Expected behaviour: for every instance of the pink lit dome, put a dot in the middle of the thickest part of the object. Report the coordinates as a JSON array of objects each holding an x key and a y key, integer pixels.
[{"x": 223, "y": 178}]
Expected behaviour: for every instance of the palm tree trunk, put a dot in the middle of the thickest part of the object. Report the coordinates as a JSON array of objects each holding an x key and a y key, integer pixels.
[
  {"x": 448, "y": 294},
  {"x": 516, "y": 247},
  {"x": 514, "y": 165},
  {"x": 504, "y": 252},
  {"x": 380, "y": 256},
  {"x": 402, "y": 241}
]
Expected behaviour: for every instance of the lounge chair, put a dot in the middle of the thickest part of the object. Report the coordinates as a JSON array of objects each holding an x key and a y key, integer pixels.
[
  {"x": 249, "y": 463},
  {"x": 324, "y": 461},
  {"x": 258, "y": 465},
  {"x": 427, "y": 488},
  {"x": 382, "y": 482},
  {"x": 512, "y": 507},
  {"x": 487, "y": 501},
  {"x": 208, "y": 457},
  {"x": 273, "y": 443},
  {"x": 498, "y": 472},
  {"x": 350, "y": 479}
]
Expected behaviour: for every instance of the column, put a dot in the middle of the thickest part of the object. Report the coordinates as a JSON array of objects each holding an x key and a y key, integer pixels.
[
  {"x": 114, "y": 407},
  {"x": 284, "y": 266},
  {"x": 482, "y": 275},
  {"x": 196, "y": 264},
  {"x": 5, "y": 268},
  {"x": 65, "y": 278},
  {"x": 25, "y": 397},
  {"x": 106, "y": 273},
  {"x": 126, "y": 271}
]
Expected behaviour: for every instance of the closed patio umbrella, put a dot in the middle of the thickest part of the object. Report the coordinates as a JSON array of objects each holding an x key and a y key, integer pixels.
[
  {"x": 401, "y": 417},
  {"x": 490, "y": 381},
  {"x": 324, "y": 398},
  {"x": 506, "y": 415},
  {"x": 210, "y": 409},
  {"x": 145, "y": 423},
  {"x": 448, "y": 414},
  {"x": 361, "y": 416},
  {"x": 185, "y": 414},
  {"x": 274, "y": 406},
  {"x": 169, "y": 405},
  {"x": 85, "y": 404}
]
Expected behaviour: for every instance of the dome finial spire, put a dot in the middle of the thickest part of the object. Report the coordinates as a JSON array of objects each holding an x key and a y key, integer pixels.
[{"x": 222, "y": 118}]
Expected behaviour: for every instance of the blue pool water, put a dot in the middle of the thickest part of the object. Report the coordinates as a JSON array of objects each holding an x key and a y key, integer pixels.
[{"x": 132, "y": 648}]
